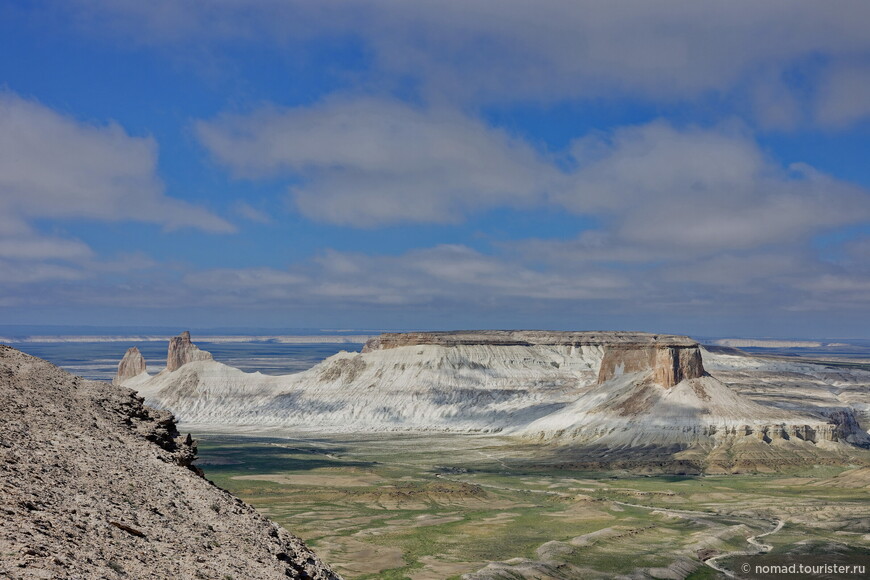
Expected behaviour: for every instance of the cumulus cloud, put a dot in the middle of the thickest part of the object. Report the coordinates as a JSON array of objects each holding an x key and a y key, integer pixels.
[
  {"x": 844, "y": 97},
  {"x": 701, "y": 190},
  {"x": 513, "y": 49},
  {"x": 53, "y": 166},
  {"x": 367, "y": 162},
  {"x": 655, "y": 187},
  {"x": 687, "y": 217},
  {"x": 452, "y": 273},
  {"x": 250, "y": 213},
  {"x": 775, "y": 104},
  {"x": 13, "y": 272},
  {"x": 456, "y": 278},
  {"x": 242, "y": 279},
  {"x": 457, "y": 285},
  {"x": 34, "y": 247}
]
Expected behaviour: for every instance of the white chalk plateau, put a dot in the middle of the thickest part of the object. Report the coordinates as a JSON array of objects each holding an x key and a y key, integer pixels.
[{"x": 613, "y": 389}]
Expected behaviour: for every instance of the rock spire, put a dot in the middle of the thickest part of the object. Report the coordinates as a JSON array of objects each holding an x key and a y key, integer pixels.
[
  {"x": 182, "y": 351},
  {"x": 132, "y": 365}
]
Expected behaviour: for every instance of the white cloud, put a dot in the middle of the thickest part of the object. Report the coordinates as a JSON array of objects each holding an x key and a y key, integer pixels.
[
  {"x": 35, "y": 247},
  {"x": 248, "y": 278},
  {"x": 856, "y": 252},
  {"x": 368, "y": 162},
  {"x": 657, "y": 189},
  {"x": 745, "y": 273},
  {"x": 688, "y": 217},
  {"x": 702, "y": 190},
  {"x": 13, "y": 272},
  {"x": 250, "y": 213},
  {"x": 458, "y": 279},
  {"x": 514, "y": 49},
  {"x": 446, "y": 273},
  {"x": 844, "y": 97},
  {"x": 457, "y": 285},
  {"x": 135, "y": 263},
  {"x": 53, "y": 166},
  {"x": 775, "y": 104}
]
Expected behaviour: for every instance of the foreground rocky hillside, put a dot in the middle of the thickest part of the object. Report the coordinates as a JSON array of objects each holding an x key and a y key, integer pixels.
[
  {"x": 95, "y": 485},
  {"x": 644, "y": 394}
]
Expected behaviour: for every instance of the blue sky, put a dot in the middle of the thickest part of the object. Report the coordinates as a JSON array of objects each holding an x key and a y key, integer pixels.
[{"x": 671, "y": 166}]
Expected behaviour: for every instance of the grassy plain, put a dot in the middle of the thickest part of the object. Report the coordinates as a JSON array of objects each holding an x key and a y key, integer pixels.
[{"x": 436, "y": 507}]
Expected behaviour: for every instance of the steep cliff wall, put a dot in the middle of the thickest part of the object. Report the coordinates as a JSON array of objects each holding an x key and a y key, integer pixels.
[
  {"x": 628, "y": 340},
  {"x": 669, "y": 363},
  {"x": 132, "y": 365},
  {"x": 183, "y": 351},
  {"x": 671, "y": 358},
  {"x": 620, "y": 388}
]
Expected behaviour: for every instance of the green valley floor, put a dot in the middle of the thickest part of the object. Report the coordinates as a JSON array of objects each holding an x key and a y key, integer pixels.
[{"x": 440, "y": 506}]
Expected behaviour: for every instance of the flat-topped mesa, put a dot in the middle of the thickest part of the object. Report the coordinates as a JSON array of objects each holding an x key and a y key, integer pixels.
[
  {"x": 182, "y": 351},
  {"x": 670, "y": 363},
  {"x": 390, "y": 340},
  {"x": 671, "y": 358},
  {"x": 132, "y": 365}
]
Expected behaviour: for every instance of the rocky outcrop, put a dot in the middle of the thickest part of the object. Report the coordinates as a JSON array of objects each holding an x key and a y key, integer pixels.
[
  {"x": 669, "y": 363},
  {"x": 182, "y": 351},
  {"x": 605, "y": 390},
  {"x": 93, "y": 484},
  {"x": 132, "y": 365},
  {"x": 671, "y": 358},
  {"x": 628, "y": 340}
]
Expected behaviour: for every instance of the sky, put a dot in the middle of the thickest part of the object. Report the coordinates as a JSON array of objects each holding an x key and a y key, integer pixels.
[{"x": 680, "y": 166}]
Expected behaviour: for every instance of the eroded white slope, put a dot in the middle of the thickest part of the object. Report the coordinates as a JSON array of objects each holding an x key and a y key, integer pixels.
[
  {"x": 209, "y": 392},
  {"x": 634, "y": 411},
  {"x": 831, "y": 389},
  {"x": 733, "y": 363},
  {"x": 466, "y": 387},
  {"x": 651, "y": 390}
]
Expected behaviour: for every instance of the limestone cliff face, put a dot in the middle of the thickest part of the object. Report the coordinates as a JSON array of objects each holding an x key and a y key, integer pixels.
[
  {"x": 670, "y": 363},
  {"x": 670, "y": 358},
  {"x": 182, "y": 351},
  {"x": 611, "y": 389},
  {"x": 132, "y": 365},
  {"x": 628, "y": 340}
]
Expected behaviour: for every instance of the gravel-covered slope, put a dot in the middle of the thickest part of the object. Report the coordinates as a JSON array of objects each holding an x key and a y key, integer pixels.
[{"x": 95, "y": 485}]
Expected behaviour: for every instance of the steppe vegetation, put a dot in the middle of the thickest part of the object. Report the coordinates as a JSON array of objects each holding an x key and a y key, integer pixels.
[{"x": 439, "y": 506}]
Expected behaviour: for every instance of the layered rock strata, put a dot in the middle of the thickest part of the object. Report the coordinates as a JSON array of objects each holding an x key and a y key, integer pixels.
[
  {"x": 93, "y": 484},
  {"x": 616, "y": 389},
  {"x": 672, "y": 358},
  {"x": 183, "y": 351},
  {"x": 628, "y": 340},
  {"x": 132, "y": 365},
  {"x": 670, "y": 363}
]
